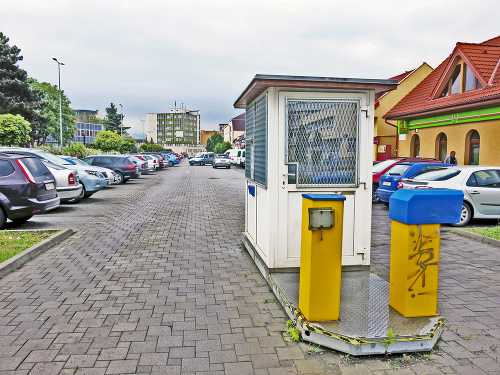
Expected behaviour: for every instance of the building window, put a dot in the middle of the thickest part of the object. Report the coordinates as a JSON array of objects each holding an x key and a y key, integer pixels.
[
  {"x": 442, "y": 146},
  {"x": 461, "y": 80},
  {"x": 474, "y": 148},
  {"x": 415, "y": 146}
]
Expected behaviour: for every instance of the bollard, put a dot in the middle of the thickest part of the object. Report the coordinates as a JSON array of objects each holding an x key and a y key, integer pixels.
[
  {"x": 321, "y": 256},
  {"x": 417, "y": 215}
]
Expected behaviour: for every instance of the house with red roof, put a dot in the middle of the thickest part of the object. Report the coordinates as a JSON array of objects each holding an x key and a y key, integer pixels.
[
  {"x": 455, "y": 108},
  {"x": 386, "y": 133}
]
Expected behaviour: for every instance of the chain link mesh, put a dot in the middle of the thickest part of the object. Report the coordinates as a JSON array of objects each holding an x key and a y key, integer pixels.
[{"x": 322, "y": 142}]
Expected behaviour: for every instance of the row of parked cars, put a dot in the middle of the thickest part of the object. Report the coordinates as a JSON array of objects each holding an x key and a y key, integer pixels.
[
  {"x": 480, "y": 184},
  {"x": 231, "y": 157},
  {"x": 34, "y": 181}
]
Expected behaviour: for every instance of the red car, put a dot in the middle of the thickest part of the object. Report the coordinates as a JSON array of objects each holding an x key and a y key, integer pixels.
[{"x": 380, "y": 168}]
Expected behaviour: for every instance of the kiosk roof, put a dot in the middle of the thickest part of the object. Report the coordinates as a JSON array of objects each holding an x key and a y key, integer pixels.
[{"x": 261, "y": 82}]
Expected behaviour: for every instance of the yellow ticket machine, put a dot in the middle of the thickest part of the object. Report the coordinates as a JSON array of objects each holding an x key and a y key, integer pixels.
[{"x": 321, "y": 256}]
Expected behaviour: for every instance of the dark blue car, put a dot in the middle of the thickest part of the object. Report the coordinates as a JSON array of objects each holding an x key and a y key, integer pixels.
[{"x": 390, "y": 179}]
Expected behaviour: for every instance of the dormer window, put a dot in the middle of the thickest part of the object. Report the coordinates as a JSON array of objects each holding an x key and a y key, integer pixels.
[{"x": 461, "y": 80}]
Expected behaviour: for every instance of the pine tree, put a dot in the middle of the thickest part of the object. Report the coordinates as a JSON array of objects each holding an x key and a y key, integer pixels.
[
  {"x": 16, "y": 95},
  {"x": 114, "y": 120}
]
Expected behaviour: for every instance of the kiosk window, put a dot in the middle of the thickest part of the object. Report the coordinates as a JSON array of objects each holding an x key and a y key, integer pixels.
[{"x": 323, "y": 141}]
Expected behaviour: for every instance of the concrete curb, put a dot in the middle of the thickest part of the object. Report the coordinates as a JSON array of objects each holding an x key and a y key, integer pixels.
[
  {"x": 476, "y": 237},
  {"x": 22, "y": 258}
]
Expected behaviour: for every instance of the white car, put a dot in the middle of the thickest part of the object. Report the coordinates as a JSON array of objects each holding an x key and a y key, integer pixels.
[
  {"x": 68, "y": 186},
  {"x": 480, "y": 185}
]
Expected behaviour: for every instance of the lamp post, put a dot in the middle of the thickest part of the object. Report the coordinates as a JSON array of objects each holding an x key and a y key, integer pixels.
[
  {"x": 143, "y": 129},
  {"x": 60, "y": 106},
  {"x": 121, "y": 119}
]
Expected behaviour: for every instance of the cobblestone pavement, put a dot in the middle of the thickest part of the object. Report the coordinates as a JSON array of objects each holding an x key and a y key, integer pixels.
[{"x": 155, "y": 281}]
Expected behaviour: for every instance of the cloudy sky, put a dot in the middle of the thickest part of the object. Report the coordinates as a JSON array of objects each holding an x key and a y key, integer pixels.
[{"x": 149, "y": 54}]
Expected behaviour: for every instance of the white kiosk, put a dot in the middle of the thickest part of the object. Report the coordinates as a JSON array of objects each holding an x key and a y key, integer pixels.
[{"x": 314, "y": 135}]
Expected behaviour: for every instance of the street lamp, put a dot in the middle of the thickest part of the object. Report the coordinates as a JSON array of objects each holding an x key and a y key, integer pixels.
[
  {"x": 60, "y": 107},
  {"x": 121, "y": 119}
]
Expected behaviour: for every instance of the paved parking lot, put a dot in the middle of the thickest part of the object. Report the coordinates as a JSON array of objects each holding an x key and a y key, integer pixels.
[{"x": 155, "y": 281}]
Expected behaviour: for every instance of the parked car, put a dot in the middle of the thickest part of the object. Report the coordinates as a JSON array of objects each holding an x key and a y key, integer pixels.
[
  {"x": 232, "y": 153},
  {"x": 480, "y": 185},
  {"x": 158, "y": 157},
  {"x": 108, "y": 174},
  {"x": 380, "y": 168},
  {"x": 141, "y": 164},
  {"x": 221, "y": 160},
  {"x": 240, "y": 158},
  {"x": 121, "y": 165},
  {"x": 91, "y": 179},
  {"x": 148, "y": 160},
  {"x": 202, "y": 158},
  {"x": 171, "y": 159},
  {"x": 27, "y": 188},
  {"x": 390, "y": 179},
  {"x": 68, "y": 185}
]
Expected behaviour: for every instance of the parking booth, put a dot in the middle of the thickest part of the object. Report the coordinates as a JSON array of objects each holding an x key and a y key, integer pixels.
[{"x": 310, "y": 136}]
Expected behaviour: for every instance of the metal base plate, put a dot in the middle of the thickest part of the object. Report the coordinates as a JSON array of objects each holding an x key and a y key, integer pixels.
[{"x": 365, "y": 317}]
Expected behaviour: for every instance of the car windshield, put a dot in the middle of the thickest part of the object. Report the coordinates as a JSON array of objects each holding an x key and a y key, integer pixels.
[
  {"x": 377, "y": 168},
  {"x": 79, "y": 162},
  {"x": 440, "y": 174},
  {"x": 54, "y": 158},
  {"x": 398, "y": 170},
  {"x": 199, "y": 155},
  {"x": 222, "y": 157}
]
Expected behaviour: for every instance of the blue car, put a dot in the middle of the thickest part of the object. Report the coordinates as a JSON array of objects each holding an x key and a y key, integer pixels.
[{"x": 389, "y": 180}]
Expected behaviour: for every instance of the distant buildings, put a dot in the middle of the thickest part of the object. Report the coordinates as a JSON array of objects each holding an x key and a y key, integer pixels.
[
  {"x": 234, "y": 131},
  {"x": 88, "y": 126},
  {"x": 179, "y": 127}
]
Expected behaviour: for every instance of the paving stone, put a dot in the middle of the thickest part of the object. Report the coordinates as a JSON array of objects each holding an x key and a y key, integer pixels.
[{"x": 145, "y": 286}]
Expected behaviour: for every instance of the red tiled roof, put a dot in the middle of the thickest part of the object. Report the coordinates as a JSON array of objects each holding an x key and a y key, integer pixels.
[{"x": 484, "y": 61}]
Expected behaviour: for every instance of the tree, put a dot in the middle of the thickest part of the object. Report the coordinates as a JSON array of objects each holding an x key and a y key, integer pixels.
[
  {"x": 14, "y": 130},
  {"x": 108, "y": 141},
  {"x": 114, "y": 120},
  {"x": 221, "y": 148},
  {"x": 213, "y": 141},
  {"x": 17, "y": 97},
  {"x": 127, "y": 145},
  {"x": 50, "y": 110}
]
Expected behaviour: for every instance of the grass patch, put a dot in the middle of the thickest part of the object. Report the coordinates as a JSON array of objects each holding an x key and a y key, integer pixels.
[
  {"x": 15, "y": 242},
  {"x": 488, "y": 232}
]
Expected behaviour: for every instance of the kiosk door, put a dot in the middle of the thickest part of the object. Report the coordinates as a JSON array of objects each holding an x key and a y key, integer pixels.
[{"x": 321, "y": 155}]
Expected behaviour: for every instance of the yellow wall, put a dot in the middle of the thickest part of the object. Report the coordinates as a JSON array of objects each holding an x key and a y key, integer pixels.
[
  {"x": 204, "y": 135},
  {"x": 387, "y": 134},
  {"x": 489, "y": 133}
]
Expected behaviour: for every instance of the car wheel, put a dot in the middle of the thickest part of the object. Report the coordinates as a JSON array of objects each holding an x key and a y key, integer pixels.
[
  {"x": 22, "y": 220},
  {"x": 228, "y": 167},
  {"x": 465, "y": 215},
  {"x": 201, "y": 163},
  {"x": 120, "y": 179},
  {"x": 375, "y": 198},
  {"x": 80, "y": 197},
  {"x": 3, "y": 218}
]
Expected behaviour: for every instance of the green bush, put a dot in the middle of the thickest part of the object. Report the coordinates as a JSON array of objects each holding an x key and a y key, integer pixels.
[{"x": 77, "y": 149}]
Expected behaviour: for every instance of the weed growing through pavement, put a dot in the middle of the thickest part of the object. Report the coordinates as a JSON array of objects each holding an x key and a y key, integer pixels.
[{"x": 292, "y": 331}]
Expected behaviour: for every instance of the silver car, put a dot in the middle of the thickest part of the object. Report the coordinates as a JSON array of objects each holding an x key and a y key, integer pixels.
[
  {"x": 480, "y": 185},
  {"x": 221, "y": 160},
  {"x": 68, "y": 185}
]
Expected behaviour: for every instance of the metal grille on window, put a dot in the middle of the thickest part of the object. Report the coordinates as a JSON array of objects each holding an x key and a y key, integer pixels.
[
  {"x": 322, "y": 142},
  {"x": 256, "y": 141}
]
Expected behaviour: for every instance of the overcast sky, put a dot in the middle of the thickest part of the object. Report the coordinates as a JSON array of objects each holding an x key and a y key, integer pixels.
[{"x": 148, "y": 54}]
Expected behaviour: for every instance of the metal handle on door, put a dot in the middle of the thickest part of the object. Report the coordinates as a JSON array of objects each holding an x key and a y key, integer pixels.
[{"x": 474, "y": 192}]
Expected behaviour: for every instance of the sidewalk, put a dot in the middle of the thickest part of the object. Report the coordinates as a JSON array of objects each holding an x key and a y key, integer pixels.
[{"x": 155, "y": 281}]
